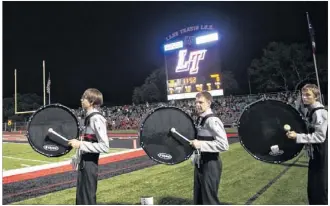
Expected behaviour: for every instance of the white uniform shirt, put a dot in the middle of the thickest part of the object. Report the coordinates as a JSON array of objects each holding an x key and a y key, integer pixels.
[
  {"x": 98, "y": 127},
  {"x": 213, "y": 127},
  {"x": 319, "y": 122}
]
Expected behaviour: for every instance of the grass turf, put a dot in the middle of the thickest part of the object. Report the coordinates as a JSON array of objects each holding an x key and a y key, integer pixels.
[
  {"x": 19, "y": 155},
  {"x": 242, "y": 177}
]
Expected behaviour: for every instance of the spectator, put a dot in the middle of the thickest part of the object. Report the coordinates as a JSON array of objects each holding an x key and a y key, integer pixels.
[{"x": 228, "y": 108}]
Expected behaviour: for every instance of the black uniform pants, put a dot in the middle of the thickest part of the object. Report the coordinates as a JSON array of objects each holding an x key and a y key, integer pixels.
[
  {"x": 87, "y": 180},
  {"x": 206, "y": 182},
  {"x": 317, "y": 187}
]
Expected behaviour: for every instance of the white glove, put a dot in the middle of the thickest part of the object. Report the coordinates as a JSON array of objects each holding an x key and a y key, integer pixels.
[
  {"x": 75, "y": 163},
  {"x": 195, "y": 158},
  {"x": 75, "y": 160}
]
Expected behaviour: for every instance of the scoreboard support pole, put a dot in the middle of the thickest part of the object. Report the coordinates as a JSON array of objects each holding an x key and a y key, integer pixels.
[{"x": 166, "y": 74}]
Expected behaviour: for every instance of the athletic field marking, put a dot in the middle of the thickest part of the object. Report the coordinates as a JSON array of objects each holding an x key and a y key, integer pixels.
[
  {"x": 23, "y": 143},
  {"x": 17, "y": 158},
  {"x": 74, "y": 180},
  {"x": 24, "y": 165},
  {"x": 270, "y": 183},
  {"x": 56, "y": 164}
]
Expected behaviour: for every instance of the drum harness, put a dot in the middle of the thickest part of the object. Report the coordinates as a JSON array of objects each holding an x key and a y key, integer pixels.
[
  {"x": 309, "y": 148},
  {"x": 199, "y": 124},
  {"x": 76, "y": 160}
]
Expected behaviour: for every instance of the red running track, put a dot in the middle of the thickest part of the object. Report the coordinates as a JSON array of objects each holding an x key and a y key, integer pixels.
[{"x": 66, "y": 168}]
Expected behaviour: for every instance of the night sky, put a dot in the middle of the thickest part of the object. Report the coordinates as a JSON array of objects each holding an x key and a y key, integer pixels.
[{"x": 113, "y": 46}]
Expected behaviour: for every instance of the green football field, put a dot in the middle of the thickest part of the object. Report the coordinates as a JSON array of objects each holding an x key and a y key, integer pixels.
[
  {"x": 244, "y": 181},
  {"x": 19, "y": 155}
]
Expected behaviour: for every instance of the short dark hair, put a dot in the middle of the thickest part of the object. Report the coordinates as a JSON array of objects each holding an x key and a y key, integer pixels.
[{"x": 206, "y": 95}]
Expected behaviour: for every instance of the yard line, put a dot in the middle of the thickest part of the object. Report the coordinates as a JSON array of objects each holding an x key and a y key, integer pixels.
[
  {"x": 16, "y": 158},
  {"x": 269, "y": 184}
]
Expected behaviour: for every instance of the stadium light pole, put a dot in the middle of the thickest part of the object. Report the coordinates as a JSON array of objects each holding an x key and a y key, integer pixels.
[
  {"x": 248, "y": 75},
  {"x": 43, "y": 81},
  {"x": 166, "y": 76}
]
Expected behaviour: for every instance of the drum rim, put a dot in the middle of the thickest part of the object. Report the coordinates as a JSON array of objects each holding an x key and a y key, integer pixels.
[
  {"x": 35, "y": 113},
  {"x": 240, "y": 138},
  {"x": 141, "y": 129},
  {"x": 267, "y": 99}
]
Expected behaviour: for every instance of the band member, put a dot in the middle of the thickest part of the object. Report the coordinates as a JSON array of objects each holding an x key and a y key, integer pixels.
[
  {"x": 92, "y": 143},
  {"x": 211, "y": 140},
  {"x": 316, "y": 144}
]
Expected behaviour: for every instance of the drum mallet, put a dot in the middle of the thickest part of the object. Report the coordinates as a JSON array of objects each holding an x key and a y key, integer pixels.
[
  {"x": 287, "y": 127},
  {"x": 50, "y": 130},
  {"x": 180, "y": 135}
]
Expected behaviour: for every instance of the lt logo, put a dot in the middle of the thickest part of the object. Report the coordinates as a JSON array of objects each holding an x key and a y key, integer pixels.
[{"x": 192, "y": 63}]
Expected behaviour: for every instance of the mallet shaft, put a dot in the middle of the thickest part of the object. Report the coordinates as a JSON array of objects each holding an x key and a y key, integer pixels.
[
  {"x": 55, "y": 133},
  {"x": 180, "y": 135}
]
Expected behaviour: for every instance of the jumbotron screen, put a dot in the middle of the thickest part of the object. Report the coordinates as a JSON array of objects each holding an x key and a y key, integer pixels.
[{"x": 192, "y": 66}]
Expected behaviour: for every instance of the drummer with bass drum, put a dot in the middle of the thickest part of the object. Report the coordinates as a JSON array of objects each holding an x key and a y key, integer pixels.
[
  {"x": 316, "y": 145},
  {"x": 94, "y": 141},
  {"x": 211, "y": 140}
]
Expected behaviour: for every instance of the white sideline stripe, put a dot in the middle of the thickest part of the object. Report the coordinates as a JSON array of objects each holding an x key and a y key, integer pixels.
[
  {"x": 13, "y": 135},
  {"x": 24, "y": 165},
  {"x": 17, "y": 158},
  {"x": 56, "y": 164},
  {"x": 19, "y": 142}
]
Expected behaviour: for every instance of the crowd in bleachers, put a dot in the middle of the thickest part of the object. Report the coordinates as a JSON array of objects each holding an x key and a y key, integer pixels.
[{"x": 228, "y": 108}]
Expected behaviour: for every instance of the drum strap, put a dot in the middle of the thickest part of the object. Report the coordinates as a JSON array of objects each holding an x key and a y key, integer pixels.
[
  {"x": 205, "y": 156},
  {"x": 88, "y": 138},
  {"x": 311, "y": 147},
  {"x": 309, "y": 115},
  {"x": 201, "y": 120},
  {"x": 87, "y": 119}
]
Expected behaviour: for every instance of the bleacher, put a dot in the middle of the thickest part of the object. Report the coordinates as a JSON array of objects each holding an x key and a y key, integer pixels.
[{"x": 128, "y": 117}]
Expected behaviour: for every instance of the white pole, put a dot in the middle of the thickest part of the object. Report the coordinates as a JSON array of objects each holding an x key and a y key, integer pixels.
[{"x": 48, "y": 89}]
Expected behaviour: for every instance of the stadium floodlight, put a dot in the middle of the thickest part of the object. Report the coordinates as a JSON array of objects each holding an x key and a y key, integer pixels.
[
  {"x": 207, "y": 38},
  {"x": 173, "y": 46}
]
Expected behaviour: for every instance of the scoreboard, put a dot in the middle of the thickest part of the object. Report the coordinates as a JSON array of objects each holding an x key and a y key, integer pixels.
[{"x": 193, "y": 65}]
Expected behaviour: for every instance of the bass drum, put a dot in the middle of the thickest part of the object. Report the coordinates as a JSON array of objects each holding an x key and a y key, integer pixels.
[
  {"x": 61, "y": 120},
  {"x": 157, "y": 140},
  {"x": 260, "y": 128}
]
